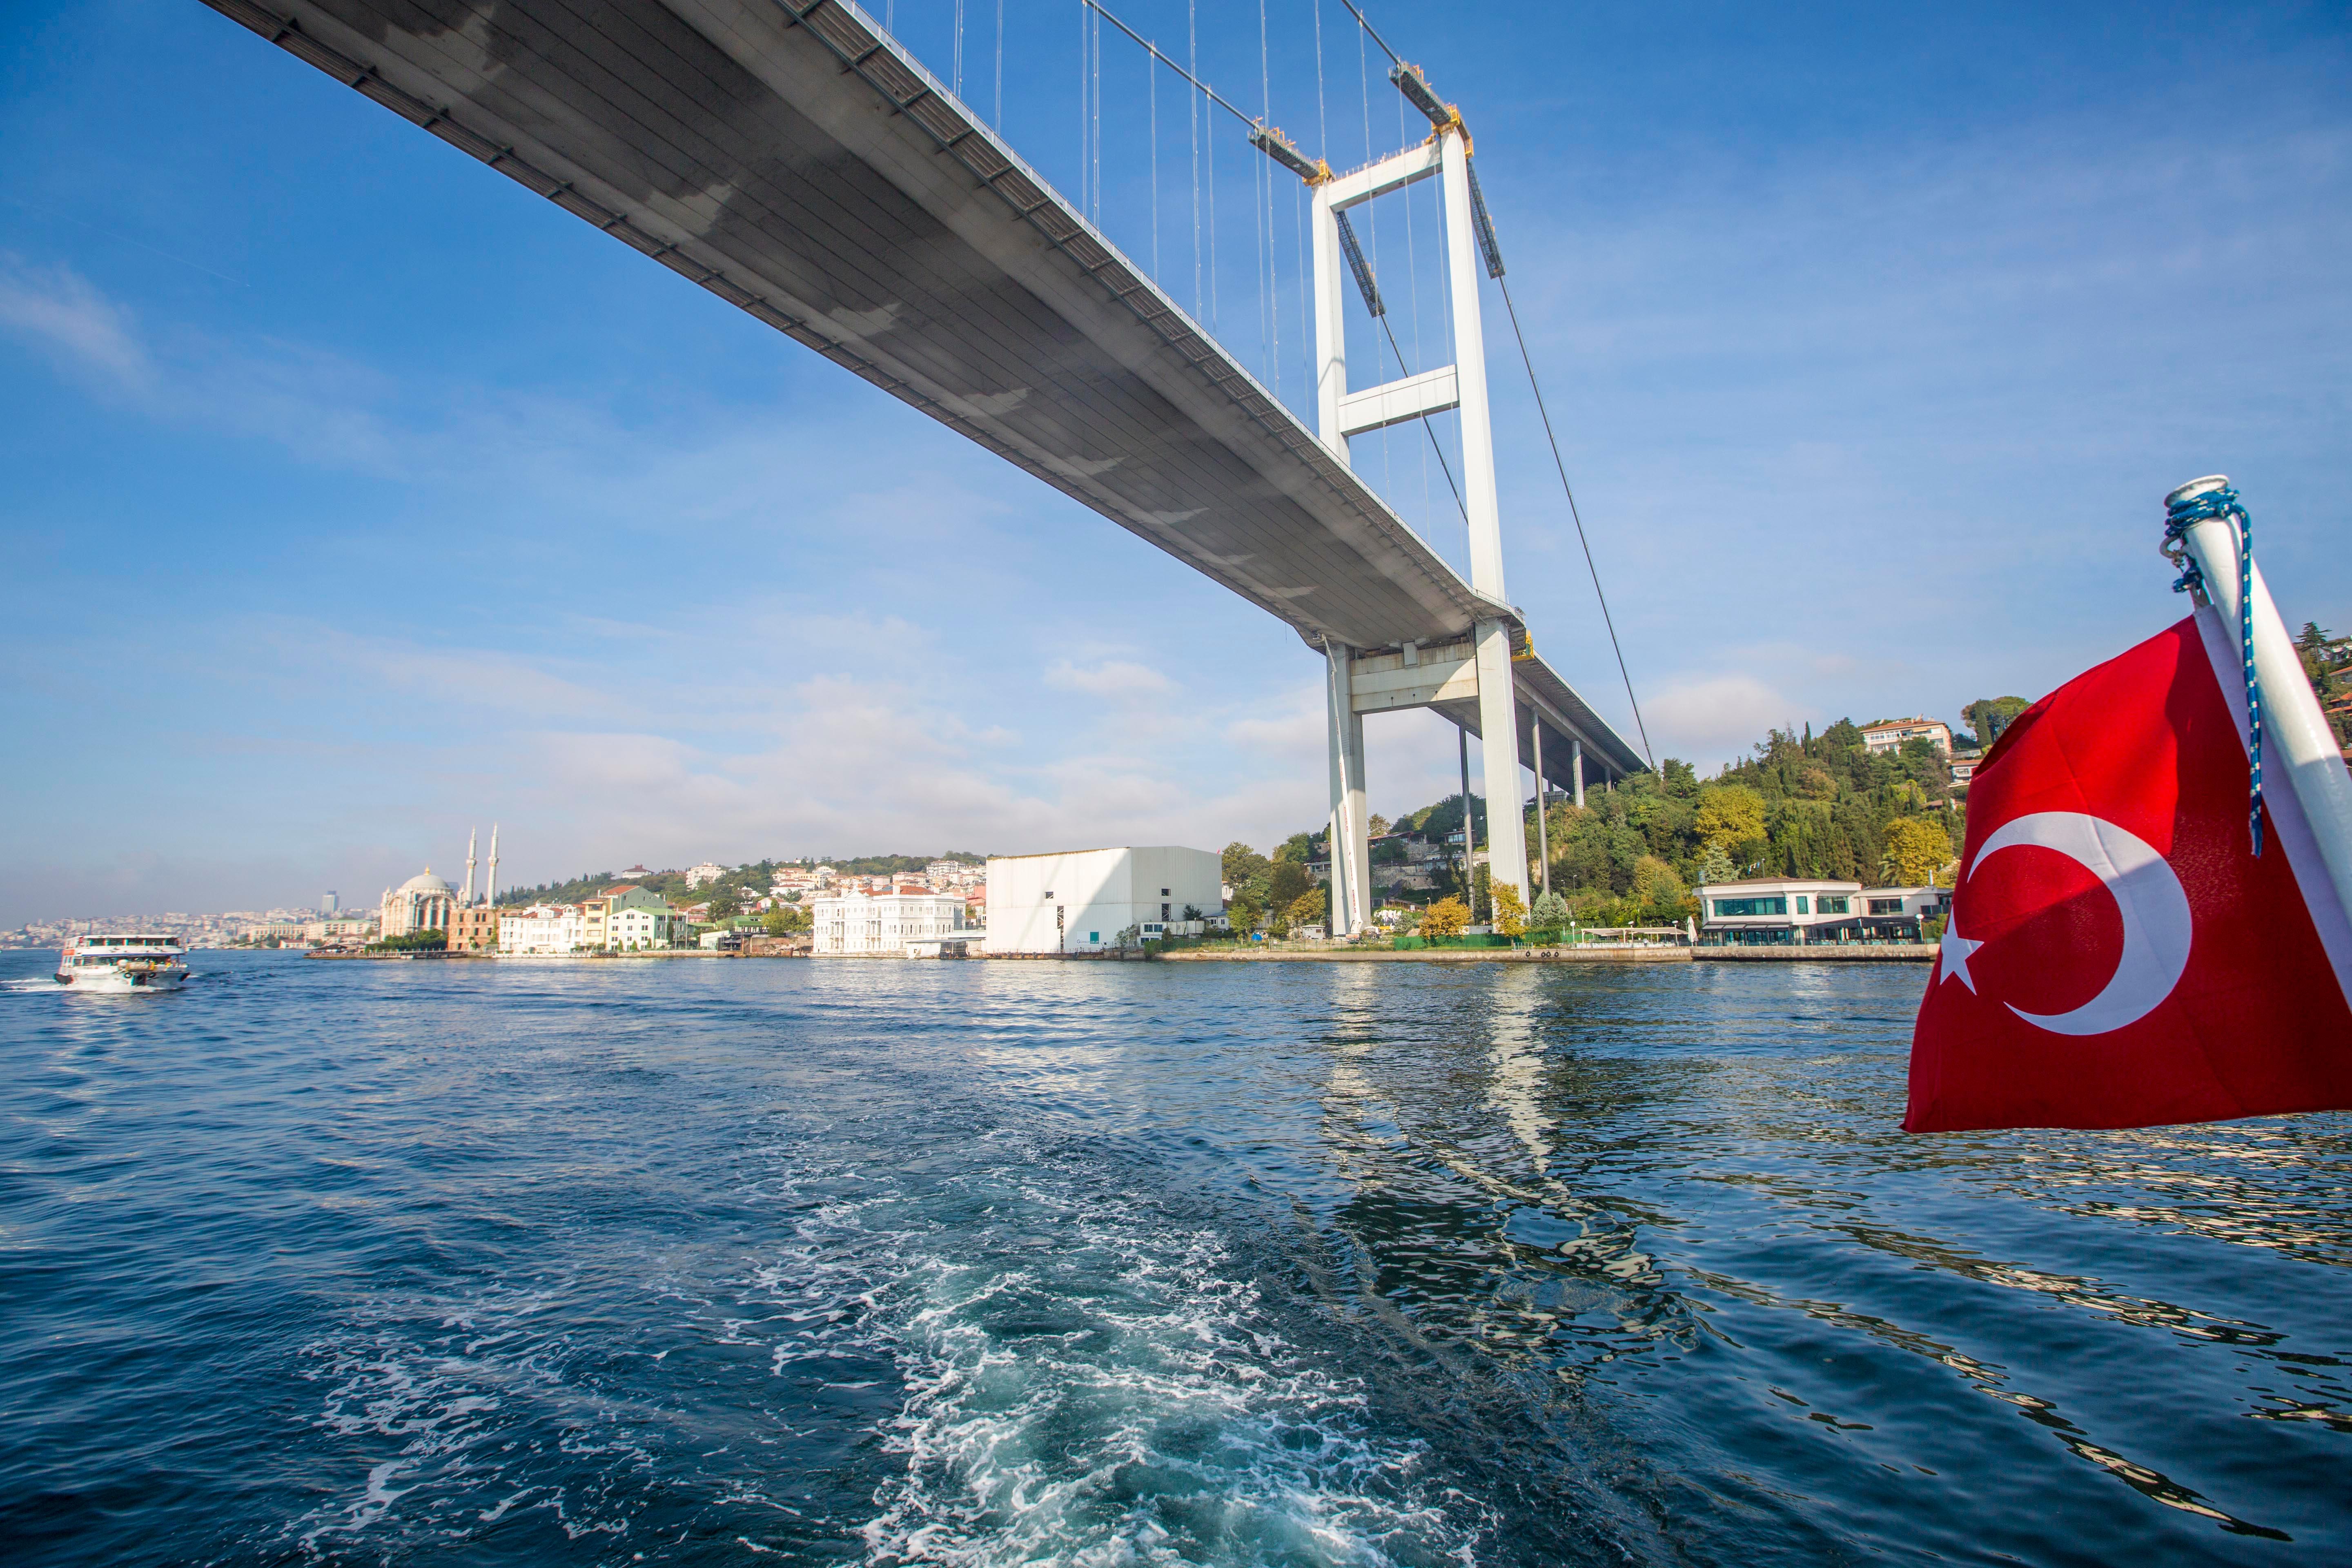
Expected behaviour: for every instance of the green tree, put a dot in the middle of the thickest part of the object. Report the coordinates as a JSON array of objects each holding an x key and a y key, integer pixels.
[
  {"x": 1989, "y": 716},
  {"x": 1659, "y": 890},
  {"x": 1550, "y": 912},
  {"x": 1245, "y": 913},
  {"x": 1285, "y": 881},
  {"x": 1915, "y": 849},
  {"x": 1510, "y": 914},
  {"x": 1309, "y": 908},
  {"x": 1681, "y": 778},
  {"x": 1730, "y": 817},
  {"x": 1243, "y": 865}
]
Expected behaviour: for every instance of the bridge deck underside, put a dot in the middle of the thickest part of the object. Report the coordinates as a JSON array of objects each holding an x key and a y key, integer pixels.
[{"x": 788, "y": 156}]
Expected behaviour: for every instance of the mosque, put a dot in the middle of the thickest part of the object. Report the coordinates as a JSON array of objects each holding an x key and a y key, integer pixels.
[{"x": 425, "y": 902}]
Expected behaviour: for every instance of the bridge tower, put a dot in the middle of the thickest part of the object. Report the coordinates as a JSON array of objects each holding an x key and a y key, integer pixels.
[{"x": 1484, "y": 666}]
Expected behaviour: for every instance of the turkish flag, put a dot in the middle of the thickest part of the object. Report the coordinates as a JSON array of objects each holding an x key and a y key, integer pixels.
[{"x": 2116, "y": 954}]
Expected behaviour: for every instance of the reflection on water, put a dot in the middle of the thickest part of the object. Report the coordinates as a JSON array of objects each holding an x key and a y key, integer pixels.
[{"x": 1093, "y": 1264}]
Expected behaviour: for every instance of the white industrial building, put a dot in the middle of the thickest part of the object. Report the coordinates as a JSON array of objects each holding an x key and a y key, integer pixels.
[
  {"x": 883, "y": 923},
  {"x": 1078, "y": 900}
]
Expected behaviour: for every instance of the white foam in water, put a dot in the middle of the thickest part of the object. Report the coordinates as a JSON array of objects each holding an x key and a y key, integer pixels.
[{"x": 1110, "y": 1393}]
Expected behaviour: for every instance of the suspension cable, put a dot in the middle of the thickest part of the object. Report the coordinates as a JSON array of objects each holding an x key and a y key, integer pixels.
[
  {"x": 1207, "y": 91},
  {"x": 1367, "y": 27},
  {"x": 1560, "y": 463}
]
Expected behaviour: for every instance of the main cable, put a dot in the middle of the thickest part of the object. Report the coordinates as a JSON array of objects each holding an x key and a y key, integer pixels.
[
  {"x": 1210, "y": 92},
  {"x": 1367, "y": 27},
  {"x": 1560, "y": 463}
]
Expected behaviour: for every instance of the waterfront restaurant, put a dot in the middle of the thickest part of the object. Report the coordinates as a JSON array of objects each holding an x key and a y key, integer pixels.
[{"x": 1777, "y": 911}]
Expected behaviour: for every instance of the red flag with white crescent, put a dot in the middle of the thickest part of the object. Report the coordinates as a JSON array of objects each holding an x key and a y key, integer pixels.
[{"x": 2116, "y": 954}]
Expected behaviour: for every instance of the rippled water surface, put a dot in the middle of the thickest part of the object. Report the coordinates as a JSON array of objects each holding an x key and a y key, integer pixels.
[{"x": 998, "y": 1263}]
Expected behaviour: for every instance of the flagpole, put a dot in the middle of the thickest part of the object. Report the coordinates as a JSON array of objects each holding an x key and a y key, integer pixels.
[{"x": 2292, "y": 718}]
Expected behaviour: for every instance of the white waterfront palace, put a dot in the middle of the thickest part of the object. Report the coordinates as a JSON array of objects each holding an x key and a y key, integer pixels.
[{"x": 854, "y": 924}]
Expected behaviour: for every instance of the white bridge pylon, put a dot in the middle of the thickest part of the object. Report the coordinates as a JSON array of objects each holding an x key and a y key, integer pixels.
[{"x": 1480, "y": 668}]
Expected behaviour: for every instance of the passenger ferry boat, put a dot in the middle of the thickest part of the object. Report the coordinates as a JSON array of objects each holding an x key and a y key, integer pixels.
[{"x": 131, "y": 962}]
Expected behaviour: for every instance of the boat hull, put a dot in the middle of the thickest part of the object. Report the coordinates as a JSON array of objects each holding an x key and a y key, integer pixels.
[{"x": 123, "y": 980}]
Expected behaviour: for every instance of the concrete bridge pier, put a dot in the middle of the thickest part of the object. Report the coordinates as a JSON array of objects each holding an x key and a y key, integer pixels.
[{"x": 1349, "y": 827}]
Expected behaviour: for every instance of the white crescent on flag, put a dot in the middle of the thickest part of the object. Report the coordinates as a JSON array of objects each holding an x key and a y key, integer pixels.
[{"x": 2157, "y": 928}]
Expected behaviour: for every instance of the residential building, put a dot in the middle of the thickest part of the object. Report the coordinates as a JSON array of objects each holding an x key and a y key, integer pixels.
[
  {"x": 473, "y": 928},
  {"x": 541, "y": 929},
  {"x": 1888, "y": 735},
  {"x": 636, "y": 874},
  {"x": 627, "y": 919},
  {"x": 1079, "y": 900},
  {"x": 638, "y": 928},
  {"x": 1964, "y": 768},
  {"x": 884, "y": 923},
  {"x": 708, "y": 871},
  {"x": 421, "y": 903},
  {"x": 1780, "y": 911}
]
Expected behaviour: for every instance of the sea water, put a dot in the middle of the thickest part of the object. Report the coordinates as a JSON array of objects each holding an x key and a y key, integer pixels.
[{"x": 863, "y": 1261}]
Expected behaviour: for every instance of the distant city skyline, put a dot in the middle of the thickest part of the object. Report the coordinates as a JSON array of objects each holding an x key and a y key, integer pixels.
[{"x": 376, "y": 498}]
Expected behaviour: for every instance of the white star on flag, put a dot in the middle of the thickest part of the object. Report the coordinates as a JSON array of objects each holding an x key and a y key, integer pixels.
[{"x": 1954, "y": 950}]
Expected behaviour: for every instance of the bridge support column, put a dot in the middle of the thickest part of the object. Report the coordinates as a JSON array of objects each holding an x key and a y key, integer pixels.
[
  {"x": 1499, "y": 741},
  {"x": 1576, "y": 766},
  {"x": 1349, "y": 827}
]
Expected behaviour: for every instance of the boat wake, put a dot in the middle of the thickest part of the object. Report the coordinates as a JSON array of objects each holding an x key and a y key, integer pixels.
[{"x": 1103, "y": 1385}]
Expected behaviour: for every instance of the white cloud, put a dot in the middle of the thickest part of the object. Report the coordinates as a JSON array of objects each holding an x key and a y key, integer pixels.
[
  {"x": 1121, "y": 680},
  {"x": 1713, "y": 717},
  {"x": 57, "y": 309}
]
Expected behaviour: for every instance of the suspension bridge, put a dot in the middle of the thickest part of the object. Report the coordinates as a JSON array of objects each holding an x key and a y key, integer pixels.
[{"x": 793, "y": 158}]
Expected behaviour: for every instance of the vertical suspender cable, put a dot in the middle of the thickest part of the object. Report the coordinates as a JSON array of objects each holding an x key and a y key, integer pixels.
[
  {"x": 1273, "y": 350},
  {"x": 1000, "y": 67},
  {"x": 1095, "y": 66},
  {"x": 1322, "y": 113},
  {"x": 1151, "y": 76},
  {"x": 959, "y": 49},
  {"x": 1192, "y": 113},
  {"x": 1211, "y": 152},
  {"x": 1083, "y": 14}
]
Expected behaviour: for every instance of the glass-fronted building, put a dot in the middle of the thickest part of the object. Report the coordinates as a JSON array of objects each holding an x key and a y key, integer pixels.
[{"x": 1783, "y": 910}]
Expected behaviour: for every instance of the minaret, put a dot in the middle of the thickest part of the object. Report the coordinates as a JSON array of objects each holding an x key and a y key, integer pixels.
[
  {"x": 492, "y": 896},
  {"x": 465, "y": 896}
]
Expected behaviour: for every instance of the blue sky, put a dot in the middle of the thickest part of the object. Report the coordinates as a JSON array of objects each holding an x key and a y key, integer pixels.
[{"x": 357, "y": 496}]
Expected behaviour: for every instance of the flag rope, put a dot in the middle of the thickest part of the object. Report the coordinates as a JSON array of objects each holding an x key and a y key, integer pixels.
[{"x": 2223, "y": 505}]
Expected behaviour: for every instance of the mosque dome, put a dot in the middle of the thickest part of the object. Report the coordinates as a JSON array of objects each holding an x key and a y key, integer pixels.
[{"x": 426, "y": 883}]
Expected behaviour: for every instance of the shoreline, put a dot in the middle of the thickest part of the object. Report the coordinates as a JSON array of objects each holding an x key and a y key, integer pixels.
[{"x": 1905, "y": 953}]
